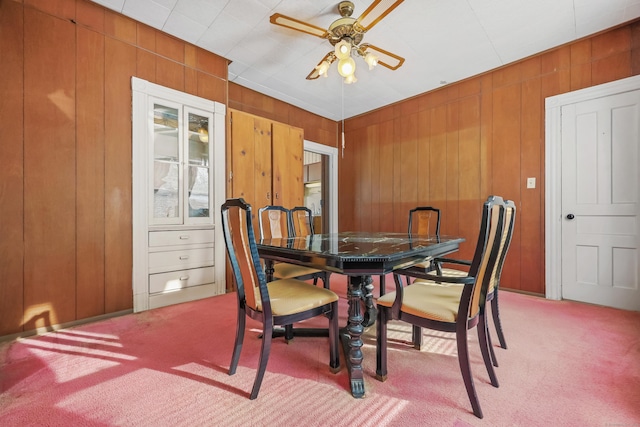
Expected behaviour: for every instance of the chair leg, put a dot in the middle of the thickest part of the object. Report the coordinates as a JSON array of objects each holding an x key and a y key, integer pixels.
[
  {"x": 381, "y": 344},
  {"x": 493, "y": 354},
  {"x": 267, "y": 333},
  {"x": 484, "y": 349},
  {"x": 288, "y": 333},
  {"x": 334, "y": 339},
  {"x": 496, "y": 319},
  {"x": 237, "y": 347},
  {"x": 465, "y": 369},
  {"x": 325, "y": 279},
  {"x": 416, "y": 333},
  {"x": 383, "y": 286}
]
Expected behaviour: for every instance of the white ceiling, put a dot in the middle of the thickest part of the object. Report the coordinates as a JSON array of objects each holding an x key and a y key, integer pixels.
[{"x": 443, "y": 41}]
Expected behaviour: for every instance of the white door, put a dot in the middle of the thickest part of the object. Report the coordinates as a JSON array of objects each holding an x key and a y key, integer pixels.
[{"x": 600, "y": 200}]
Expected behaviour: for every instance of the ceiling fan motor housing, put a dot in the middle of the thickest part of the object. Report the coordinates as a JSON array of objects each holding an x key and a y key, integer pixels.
[
  {"x": 343, "y": 27},
  {"x": 345, "y": 8}
]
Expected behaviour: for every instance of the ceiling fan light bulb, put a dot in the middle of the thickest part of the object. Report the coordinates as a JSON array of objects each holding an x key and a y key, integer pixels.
[
  {"x": 323, "y": 68},
  {"x": 350, "y": 79},
  {"x": 346, "y": 67},
  {"x": 371, "y": 60},
  {"x": 343, "y": 49}
]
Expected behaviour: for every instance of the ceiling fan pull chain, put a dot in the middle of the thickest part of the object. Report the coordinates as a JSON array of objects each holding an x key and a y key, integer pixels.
[{"x": 342, "y": 118}]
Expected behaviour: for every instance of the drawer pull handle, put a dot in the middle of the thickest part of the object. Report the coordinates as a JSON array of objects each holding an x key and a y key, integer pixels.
[
  {"x": 184, "y": 278},
  {"x": 184, "y": 237},
  {"x": 184, "y": 257}
]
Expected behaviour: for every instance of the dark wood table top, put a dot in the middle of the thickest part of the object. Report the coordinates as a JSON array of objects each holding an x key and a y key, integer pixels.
[{"x": 357, "y": 253}]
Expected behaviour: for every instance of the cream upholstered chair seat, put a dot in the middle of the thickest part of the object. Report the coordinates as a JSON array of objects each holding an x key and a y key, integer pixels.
[
  {"x": 424, "y": 300},
  {"x": 289, "y": 296},
  {"x": 283, "y": 270},
  {"x": 452, "y": 272}
]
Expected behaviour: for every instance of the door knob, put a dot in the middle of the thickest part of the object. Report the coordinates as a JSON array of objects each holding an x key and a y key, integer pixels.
[{"x": 571, "y": 216}]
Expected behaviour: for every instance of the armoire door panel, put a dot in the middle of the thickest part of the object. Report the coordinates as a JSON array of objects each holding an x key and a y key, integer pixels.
[
  {"x": 251, "y": 160},
  {"x": 288, "y": 185},
  {"x": 242, "y": 156},
  {"x": 262, "y": 164}
]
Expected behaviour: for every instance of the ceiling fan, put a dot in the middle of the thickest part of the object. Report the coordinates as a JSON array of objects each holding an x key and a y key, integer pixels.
[{"x": 346, "y": 34}]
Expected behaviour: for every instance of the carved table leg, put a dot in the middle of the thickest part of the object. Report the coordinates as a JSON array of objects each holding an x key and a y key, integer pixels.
[
  {"x": 370, "y": 309},
  {"x": 268, "y": 269},
  {"x": 351, "y": 338}
]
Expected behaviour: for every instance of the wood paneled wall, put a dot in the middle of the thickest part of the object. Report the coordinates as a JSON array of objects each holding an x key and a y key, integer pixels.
[
  {"x": 453, "y": 147},
  {"x": 65, "y": 180}
]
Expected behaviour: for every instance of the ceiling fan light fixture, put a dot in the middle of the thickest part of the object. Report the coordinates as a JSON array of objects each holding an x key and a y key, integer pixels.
[
  {"x": 350, "y": 79},
  {"x": 345, "y": 34},
  {"x": 323, "y": 68},
  {"x": 371, "y": 60},
  {"x": 343, "y": 49},
  {"x": 346, "y": 67}
]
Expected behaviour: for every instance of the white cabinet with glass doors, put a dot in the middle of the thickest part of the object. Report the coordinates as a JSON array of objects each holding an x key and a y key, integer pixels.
[{"x": 178, "y": 187}]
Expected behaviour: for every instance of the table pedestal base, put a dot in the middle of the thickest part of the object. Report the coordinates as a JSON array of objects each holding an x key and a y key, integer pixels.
[{"x": 359, "y": 294}]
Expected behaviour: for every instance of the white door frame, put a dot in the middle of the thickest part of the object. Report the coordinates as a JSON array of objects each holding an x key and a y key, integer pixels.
[
  {"x": 332, "y": 152},
  {"x": 553, "y": 173}
]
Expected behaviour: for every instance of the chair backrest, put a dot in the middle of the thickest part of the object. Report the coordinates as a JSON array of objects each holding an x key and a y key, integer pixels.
[
  {"x": 274, "y": 222},
  {"x": 505, "y": 242},
  {"x": 486, "y": 254},
  {"x": 302, "y": 221},
  {"x": 243, "y": 255},
  {"x": 424, "y": 221}
]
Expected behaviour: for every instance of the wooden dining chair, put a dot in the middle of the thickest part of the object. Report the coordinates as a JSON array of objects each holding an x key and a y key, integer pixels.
[
  {"x": 494, "y": 285},
  {"x": 301, "y": 221},
  {"x": 435, "y": 304},
  {"x": 276, "y": 223},
  {"x": 423, "y": 221},
  {"x": 280, "y": 302},
  {"x": 492, "y": 294}
]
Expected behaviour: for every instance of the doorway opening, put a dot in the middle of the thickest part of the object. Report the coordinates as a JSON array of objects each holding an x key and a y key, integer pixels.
[{"x": 320, "y": 186}]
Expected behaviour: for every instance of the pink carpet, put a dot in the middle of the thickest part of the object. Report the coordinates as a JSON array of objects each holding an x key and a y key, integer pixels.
[{"x": 568, "y": 364}]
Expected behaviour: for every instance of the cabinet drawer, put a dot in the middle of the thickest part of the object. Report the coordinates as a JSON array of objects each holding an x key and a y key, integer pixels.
[
  {"x": 167, "y": 282},
  {"x": 186, "y": 237},
  {"x": 179, "y": 260}
]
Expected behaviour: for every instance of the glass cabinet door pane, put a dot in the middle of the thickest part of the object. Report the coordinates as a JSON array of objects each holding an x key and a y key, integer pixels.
[
  {"x": 198, "y": 170},
  {"x": 166, "y": 162}
]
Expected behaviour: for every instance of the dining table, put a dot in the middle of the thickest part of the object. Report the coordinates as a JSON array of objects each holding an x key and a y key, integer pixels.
[{"x": 360, "y": 256}]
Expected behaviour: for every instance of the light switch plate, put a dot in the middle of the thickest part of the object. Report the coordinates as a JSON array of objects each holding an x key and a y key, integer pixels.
[{"x": 531, "y": 183}]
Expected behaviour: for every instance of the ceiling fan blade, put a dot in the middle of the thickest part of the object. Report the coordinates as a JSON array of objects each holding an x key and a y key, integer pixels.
[
  {"x": 314, "y": 74},
  {"x": 386, "y": 59},
  {"x": 374, "y": 13},
  {"x": 297, "y": 25}
]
